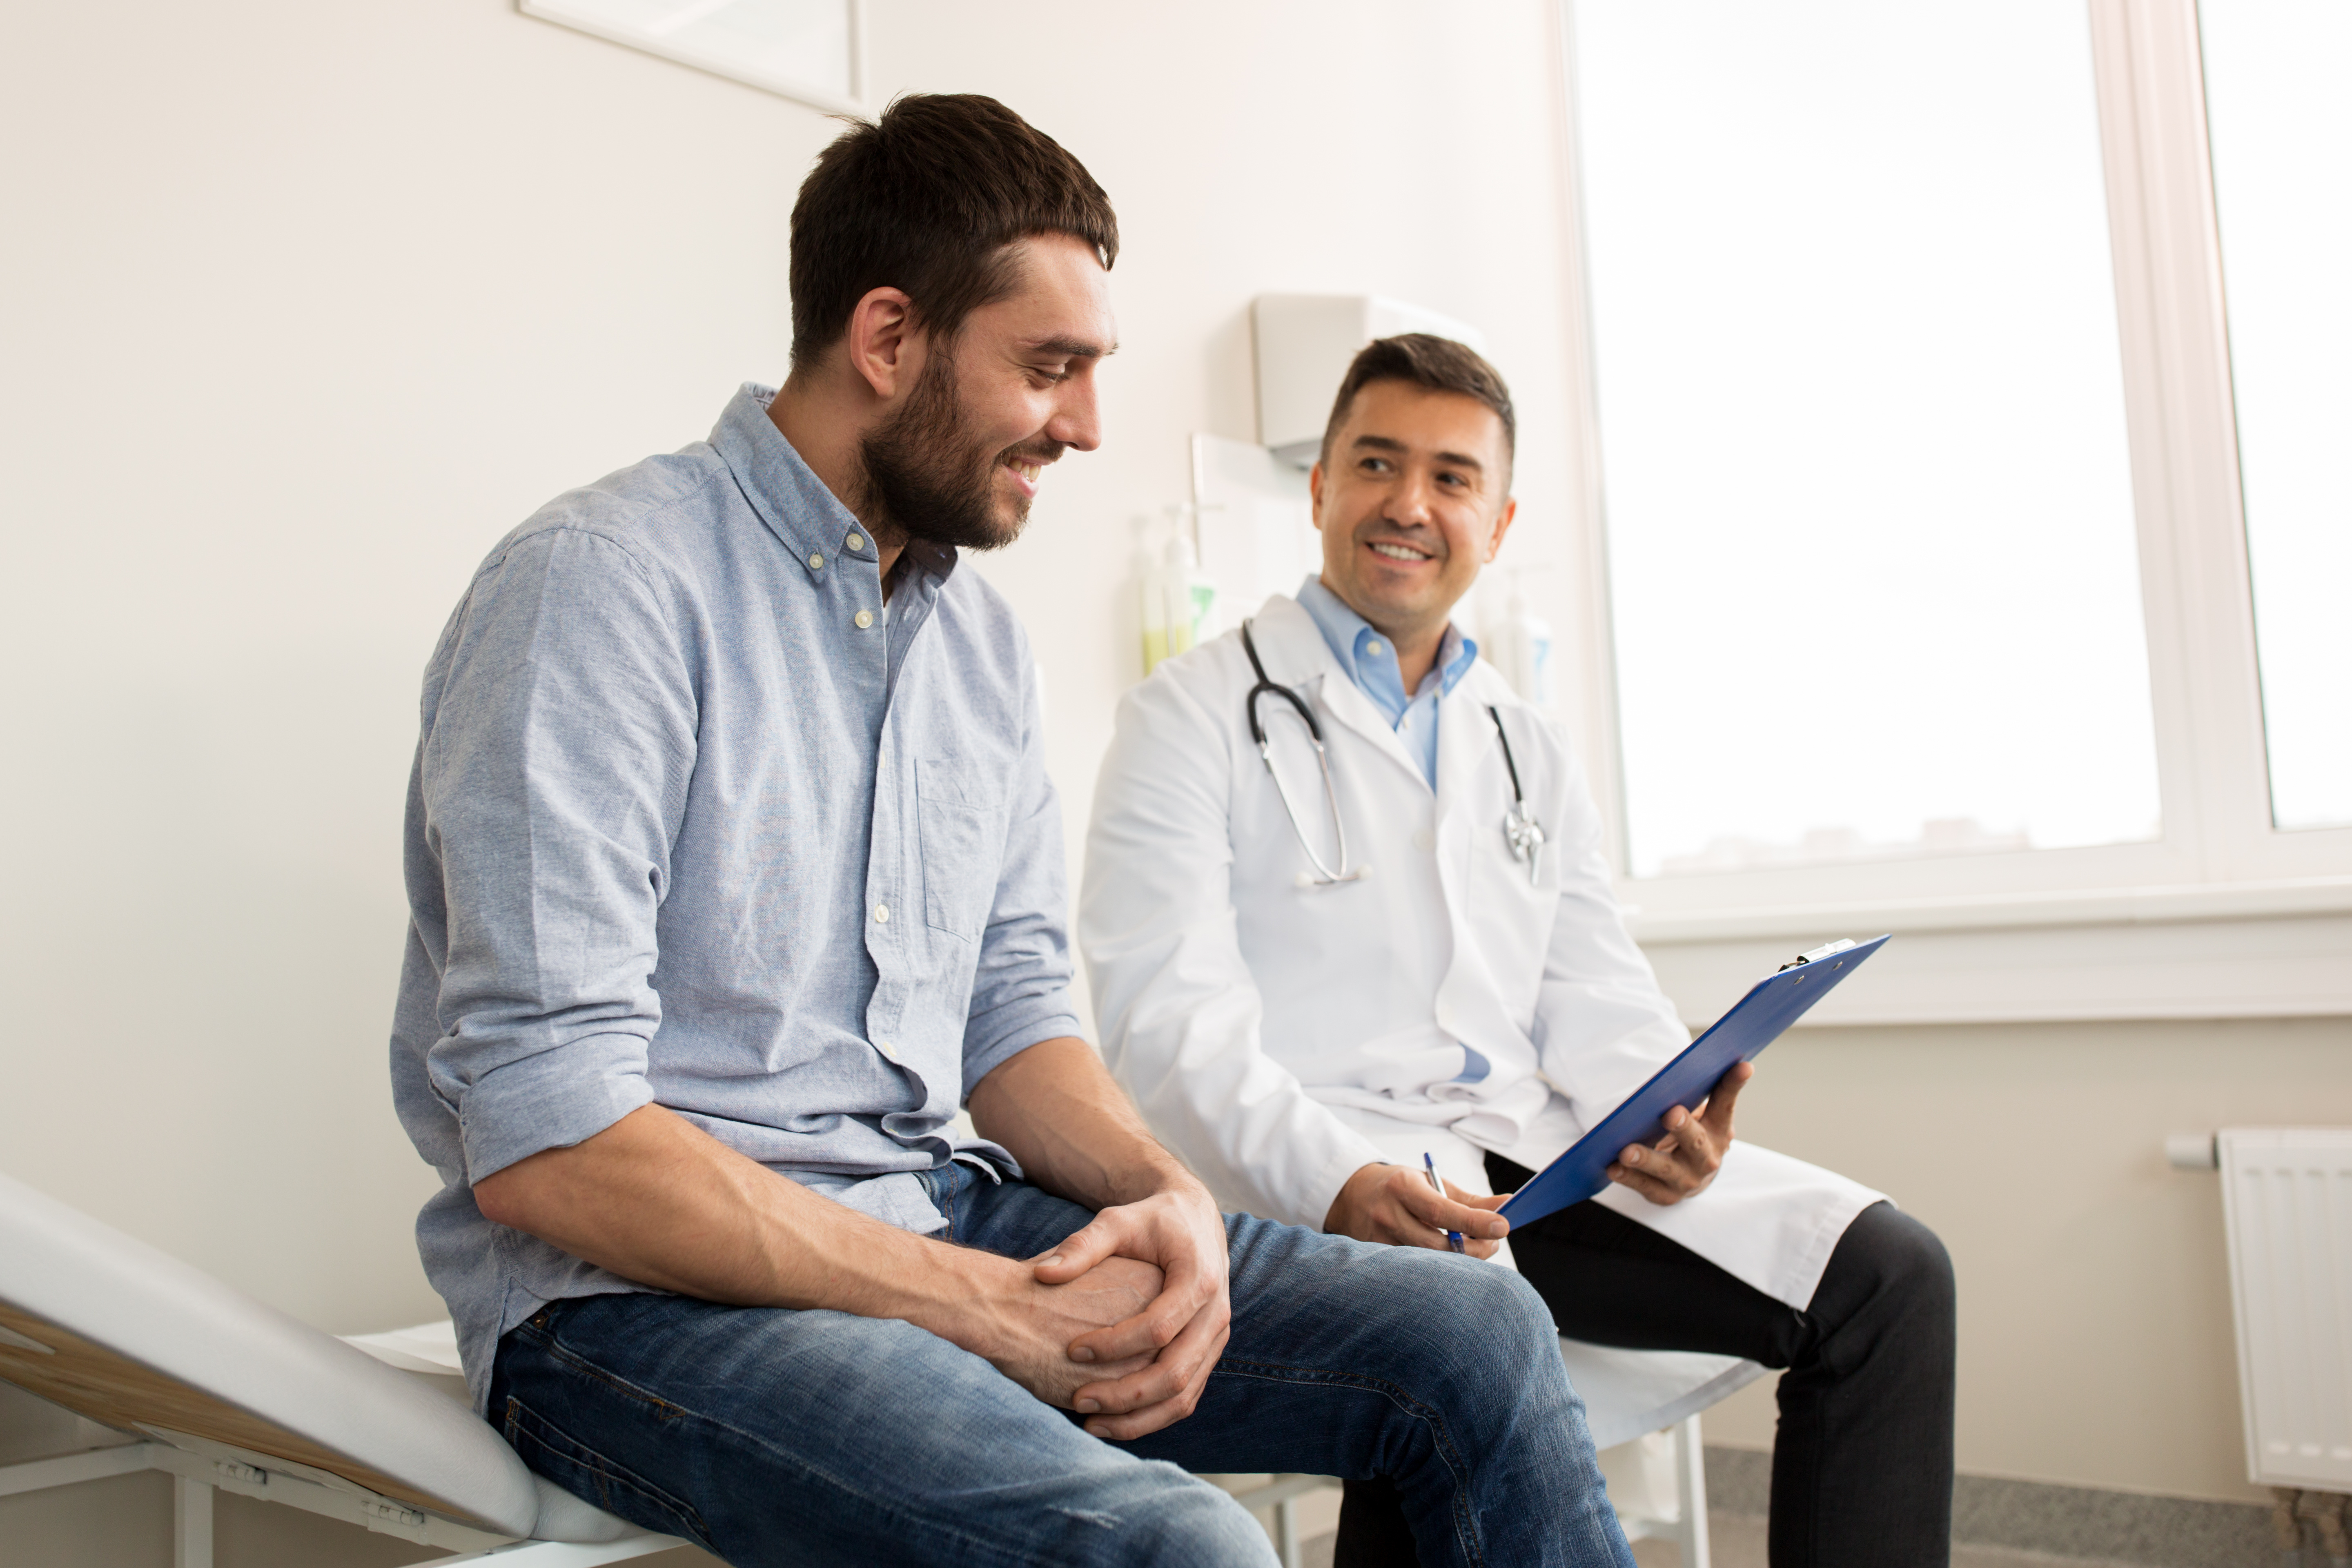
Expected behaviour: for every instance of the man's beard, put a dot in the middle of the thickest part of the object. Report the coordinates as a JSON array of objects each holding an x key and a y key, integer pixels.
[{"x": 925, "y": 478}]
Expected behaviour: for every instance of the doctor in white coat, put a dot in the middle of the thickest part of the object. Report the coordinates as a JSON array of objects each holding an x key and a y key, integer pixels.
[{"x": 1302, "y": 1004}]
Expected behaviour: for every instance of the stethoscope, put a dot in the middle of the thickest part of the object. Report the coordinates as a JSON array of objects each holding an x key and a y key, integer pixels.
[{"x": 1521, "y": 831}]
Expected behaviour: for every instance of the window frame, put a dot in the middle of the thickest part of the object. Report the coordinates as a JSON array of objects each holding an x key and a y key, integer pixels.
[{"x": 2220, "y": 858}]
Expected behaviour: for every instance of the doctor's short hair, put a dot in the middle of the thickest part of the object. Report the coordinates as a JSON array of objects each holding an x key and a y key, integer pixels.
[
  {"x": 928, "y": 199},
  {"x": 1441, "y": 364}
]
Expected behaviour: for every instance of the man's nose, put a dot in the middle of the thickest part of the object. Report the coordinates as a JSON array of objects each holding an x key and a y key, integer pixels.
[
  {"x": 1409, "y": 500},
  {"x": 1078, "y": 415}
]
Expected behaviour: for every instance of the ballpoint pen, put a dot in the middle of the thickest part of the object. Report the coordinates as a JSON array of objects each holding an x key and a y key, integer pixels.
[{"x": 1453, "y": 1237}]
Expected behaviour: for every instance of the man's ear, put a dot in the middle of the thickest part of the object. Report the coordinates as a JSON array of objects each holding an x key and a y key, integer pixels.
[
  {"x": 882, "y": 343},
  {"x": 1315, "y": 495},
  {"x": 1502, "y": 526}
]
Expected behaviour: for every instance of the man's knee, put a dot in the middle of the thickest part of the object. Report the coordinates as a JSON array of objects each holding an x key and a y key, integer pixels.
[
  {"x": 1480, "y": 1311},
  {"x": 1154, "y": 1513}
]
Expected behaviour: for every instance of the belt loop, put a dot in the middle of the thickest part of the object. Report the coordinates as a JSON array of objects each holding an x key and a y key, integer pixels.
[{"x": 944, "y": 1188}]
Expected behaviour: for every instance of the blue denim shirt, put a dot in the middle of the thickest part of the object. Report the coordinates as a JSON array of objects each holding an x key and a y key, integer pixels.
[
  {"x": 1370, "y": 662},
  {"x": 693, "y": 824}
]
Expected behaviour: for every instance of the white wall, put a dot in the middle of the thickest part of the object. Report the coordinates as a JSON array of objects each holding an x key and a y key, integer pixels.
[
  {"x": 2095, "y": 1340},
  {"x": 305, "y": 304}
]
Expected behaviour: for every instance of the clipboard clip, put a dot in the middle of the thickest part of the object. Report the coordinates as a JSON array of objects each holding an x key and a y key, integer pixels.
[{"x": 1817, "y": 955}]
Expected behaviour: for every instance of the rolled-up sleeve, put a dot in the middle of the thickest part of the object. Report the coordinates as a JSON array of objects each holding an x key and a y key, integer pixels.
[
  {"x": 553, "y": 774},
  {"x": 1021, "y": 988}
]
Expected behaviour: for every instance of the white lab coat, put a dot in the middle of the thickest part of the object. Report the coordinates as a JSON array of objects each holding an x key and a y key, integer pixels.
[{"x": 1279, "y": 1036}]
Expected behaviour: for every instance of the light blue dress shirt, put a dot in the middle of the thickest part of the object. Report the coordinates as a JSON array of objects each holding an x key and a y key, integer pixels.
[
  {"x": 692, "y": 824},
  {"x": 1370, "y": 661}
]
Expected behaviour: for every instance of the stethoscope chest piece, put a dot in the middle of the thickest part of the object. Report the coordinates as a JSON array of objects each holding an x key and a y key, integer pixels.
[
  {"x": 1526, "y": 837},
  {"x": 1521, "y": 831}
]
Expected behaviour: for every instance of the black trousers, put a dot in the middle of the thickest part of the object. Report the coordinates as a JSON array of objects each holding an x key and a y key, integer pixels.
[{"x": 1861, "y": 1465}]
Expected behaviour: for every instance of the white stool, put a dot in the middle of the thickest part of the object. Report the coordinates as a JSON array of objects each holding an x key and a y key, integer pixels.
[{"x": 1629, "y": 1395}]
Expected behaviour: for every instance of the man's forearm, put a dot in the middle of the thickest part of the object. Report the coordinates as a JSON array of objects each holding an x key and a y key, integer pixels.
[
  {"x": 1056, "y": 1110},
  {"x": 657, "y": 1200}
]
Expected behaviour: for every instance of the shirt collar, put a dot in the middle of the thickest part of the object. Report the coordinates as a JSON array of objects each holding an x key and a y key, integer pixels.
[
  {"x": 791, "y": 500},
  {"x": 1351, "y": 639}
]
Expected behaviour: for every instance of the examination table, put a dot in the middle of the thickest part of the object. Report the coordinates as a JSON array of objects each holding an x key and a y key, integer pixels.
[{"x": 223, "y": 1392}]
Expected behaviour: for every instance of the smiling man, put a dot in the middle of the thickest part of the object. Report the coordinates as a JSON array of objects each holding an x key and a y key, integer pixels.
[
  {"x": 1306, "y": 1008},
  {"x": 734, "y": 869}
]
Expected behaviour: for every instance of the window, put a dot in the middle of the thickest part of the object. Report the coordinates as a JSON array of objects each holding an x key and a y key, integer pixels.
[
  {"x": 1906, "y": 386},
  {"x": 1861, "y": 425},
  {"x": 2275, "y": 75}
]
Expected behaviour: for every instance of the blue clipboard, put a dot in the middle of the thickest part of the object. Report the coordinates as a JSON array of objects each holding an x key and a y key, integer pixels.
[{"x": 1771, "y": 1004}]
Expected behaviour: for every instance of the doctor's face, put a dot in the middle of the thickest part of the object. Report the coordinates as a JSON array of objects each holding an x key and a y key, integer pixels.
[{"x": 1415, "y": 498}]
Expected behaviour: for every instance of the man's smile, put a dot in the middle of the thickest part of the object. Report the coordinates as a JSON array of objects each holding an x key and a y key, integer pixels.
[
  {"x": 1394, "y": 550},
  {"x": 1027, "y": 468}
]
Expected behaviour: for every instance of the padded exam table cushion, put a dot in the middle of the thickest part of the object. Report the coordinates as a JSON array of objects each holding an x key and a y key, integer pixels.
[{"x": 124, "y": 1334}]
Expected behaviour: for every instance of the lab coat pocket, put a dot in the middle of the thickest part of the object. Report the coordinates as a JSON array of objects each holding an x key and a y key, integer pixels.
[
  {"x": 1402, "y": 1061},
  {"x": 962, "y": 825}
]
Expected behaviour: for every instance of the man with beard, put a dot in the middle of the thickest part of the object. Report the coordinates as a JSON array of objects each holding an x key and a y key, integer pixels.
[{"x": 734, "y": 869}]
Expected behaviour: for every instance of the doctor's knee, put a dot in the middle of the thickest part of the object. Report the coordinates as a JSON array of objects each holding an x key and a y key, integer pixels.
[{"x": 1904, "y": 1266}]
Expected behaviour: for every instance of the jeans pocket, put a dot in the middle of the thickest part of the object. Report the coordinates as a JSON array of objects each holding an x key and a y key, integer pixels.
[{"x": 596, "y": 1478}]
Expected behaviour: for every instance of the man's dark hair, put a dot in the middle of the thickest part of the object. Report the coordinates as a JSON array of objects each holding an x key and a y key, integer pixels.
[
  {"x": 928, "y": 200},
  {"x": 1441, "y": 364}
]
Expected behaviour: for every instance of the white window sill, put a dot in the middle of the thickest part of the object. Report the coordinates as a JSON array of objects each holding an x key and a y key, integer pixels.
[{"x": 2244, "y": 950}]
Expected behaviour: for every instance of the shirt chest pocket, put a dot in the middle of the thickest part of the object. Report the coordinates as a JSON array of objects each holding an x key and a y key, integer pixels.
[{"x": 960, "y": 823}]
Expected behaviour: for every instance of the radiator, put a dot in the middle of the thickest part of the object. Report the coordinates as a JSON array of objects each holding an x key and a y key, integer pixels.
[{"x": 2286, "y": 1196}]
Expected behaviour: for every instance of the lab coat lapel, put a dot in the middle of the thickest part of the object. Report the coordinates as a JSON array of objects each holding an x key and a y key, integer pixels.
[
  {"x": 1465, "y": 746},
  {"x": 1472, "y": 788},
  {"x": 1296, "y": 655}
]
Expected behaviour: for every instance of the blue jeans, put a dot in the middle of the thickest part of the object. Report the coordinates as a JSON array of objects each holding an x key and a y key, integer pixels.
[{"x": 768, "y": 1435}]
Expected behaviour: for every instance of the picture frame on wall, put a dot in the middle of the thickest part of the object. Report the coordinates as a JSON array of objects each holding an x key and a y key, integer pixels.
[{"x": 812, "y": 51}]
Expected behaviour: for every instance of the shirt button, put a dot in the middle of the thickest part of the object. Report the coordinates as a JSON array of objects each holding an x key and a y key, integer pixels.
[
  {"x": 1373, "y": 648},
  {"x": 882, "y": 914},
  {"x": 886, "y": 1049},
  {"x": 1423, "y": 841},
  {"x": 864, "y": 619},
  {"x": 856, "y": 541},
  {"x": 817, "y": 558}
]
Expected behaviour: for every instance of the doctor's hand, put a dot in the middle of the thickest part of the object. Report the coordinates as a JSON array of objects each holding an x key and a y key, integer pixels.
[
  {"x": 1396, "y": 1205},
  {"x": 1684, "y": 1161},
  {"x": 1180, "y": 1331}
]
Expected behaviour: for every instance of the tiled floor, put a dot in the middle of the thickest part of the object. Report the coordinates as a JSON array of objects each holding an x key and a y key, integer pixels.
[{"x": 1738, "y": 1541}]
